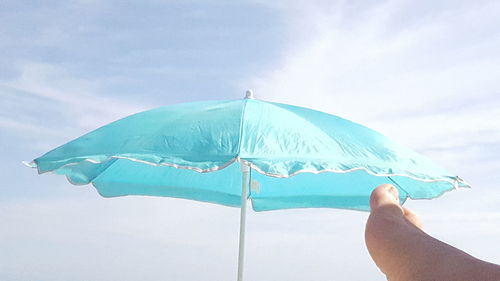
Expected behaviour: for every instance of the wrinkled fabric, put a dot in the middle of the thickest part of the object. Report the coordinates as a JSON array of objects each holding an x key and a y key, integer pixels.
[{"x": 299, "y": 157}]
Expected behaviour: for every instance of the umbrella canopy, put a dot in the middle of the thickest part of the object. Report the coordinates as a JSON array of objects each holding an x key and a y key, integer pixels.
[{"x": 298, "y": 157}]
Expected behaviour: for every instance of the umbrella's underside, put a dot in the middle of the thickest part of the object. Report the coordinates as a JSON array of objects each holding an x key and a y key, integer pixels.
[{"x": 350, "y": 190}]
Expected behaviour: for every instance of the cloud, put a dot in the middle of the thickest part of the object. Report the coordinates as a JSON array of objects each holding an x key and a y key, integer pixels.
[
  {"x": 116, "y": 239},
  {"x": 69, "y": 106},
  {"x": 422, "y": 76},
  {"x": 476, "y": 232},
  {"x": 123, "y": 238},
  {"x": 362, "y": 67},
  {"x": 424, "y": 73}
]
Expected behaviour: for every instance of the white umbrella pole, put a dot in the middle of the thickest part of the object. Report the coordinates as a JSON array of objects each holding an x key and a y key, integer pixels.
[{"x": 243, "y": 214}]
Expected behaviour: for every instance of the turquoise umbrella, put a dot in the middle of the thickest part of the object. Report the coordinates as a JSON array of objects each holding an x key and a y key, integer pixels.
[{"x": 276, "y": 155}]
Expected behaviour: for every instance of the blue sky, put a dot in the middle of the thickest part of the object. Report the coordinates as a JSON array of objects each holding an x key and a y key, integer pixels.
[{"x": 424, "y": 73}]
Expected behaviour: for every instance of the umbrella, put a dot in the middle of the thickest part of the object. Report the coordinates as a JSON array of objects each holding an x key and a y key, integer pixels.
[{"x": 227, "y": 152}]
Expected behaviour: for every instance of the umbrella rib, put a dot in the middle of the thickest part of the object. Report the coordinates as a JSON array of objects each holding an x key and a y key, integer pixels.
[{"x": 399, "y": 186}]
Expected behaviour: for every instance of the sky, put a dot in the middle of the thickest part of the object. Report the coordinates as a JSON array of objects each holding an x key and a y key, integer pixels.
[{"x": 424, "y": 73}]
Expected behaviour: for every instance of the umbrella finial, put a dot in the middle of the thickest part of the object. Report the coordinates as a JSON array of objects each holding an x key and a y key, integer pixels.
[{"x": 249, "y": 94}]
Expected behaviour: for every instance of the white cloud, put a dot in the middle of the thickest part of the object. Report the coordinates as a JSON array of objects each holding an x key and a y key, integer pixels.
[
  {"x": 411, "y": 79},
  {"x": 122, "y": 238},
  {"x": 48, "y": 104},
  {"x": 360, "y": 67},
  {"x": 53, "y": 82},
  {"x": 423, "y": 74}
]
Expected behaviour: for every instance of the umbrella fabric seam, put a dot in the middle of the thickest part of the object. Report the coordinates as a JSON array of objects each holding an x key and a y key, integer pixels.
[{"x": 242, "y": 116}]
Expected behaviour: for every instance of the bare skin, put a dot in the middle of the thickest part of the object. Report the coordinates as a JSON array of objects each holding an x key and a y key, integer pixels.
[{"x": 404, "y": 252}]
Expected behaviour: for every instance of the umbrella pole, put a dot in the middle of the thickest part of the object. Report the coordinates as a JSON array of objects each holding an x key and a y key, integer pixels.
[{"x": 245, "y": 170}]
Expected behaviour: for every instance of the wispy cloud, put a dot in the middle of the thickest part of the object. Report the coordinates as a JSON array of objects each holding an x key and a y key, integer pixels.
[
  {"x": 423, "y": 72},
  {"x": 46, "y": 102},
  {"x": 429, "y": 81}
]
